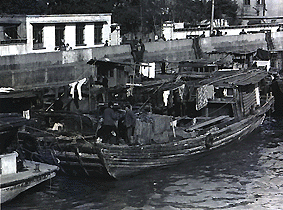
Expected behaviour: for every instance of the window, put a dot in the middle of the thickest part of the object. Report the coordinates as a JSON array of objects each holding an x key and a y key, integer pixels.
[
  {"x": 247, "y": 2},
  {"x": 80, "y": 34},
  {"x": 98, "y": 33},
  {"x": 37, "y": 36},
  {"x": 11, "y": 32},
  {"x": 59, "y": 35}
]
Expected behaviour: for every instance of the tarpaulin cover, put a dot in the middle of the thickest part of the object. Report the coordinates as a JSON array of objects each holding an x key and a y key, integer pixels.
[{"x": 263, "y": 54}]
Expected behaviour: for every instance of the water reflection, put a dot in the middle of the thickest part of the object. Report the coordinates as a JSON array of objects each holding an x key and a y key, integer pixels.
[{"x": 244, "y": 175}]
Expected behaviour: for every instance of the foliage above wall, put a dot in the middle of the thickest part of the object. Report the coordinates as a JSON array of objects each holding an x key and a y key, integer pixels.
[{"x": 132, "y": 15}]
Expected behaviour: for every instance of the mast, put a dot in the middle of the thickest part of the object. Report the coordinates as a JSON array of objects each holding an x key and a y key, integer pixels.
[{"x": 212, "y": 16}]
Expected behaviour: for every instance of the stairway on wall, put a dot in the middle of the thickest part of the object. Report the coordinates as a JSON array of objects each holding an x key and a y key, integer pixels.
[
  {"x": 197, "y": 49},
  {"x": 270, "y": 41}
]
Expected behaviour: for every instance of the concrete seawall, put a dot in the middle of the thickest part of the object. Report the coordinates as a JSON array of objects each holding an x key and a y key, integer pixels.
[{"x": 32, "y": 70}]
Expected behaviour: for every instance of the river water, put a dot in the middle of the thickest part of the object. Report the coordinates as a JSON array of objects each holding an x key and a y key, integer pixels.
[{"x": 243, "y": 175}]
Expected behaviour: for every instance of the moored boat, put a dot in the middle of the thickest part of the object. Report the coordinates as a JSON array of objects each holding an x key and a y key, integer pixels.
[
  {"x": 17, "y": 174},
  {"x": 228, "y": 108},
  {"x": 14, "y": 182}
]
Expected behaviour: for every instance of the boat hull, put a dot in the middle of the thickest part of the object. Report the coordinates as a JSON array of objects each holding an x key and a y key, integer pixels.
[
  {"x": 123, "y": 160},
  {"x": 14, "y": 184}
]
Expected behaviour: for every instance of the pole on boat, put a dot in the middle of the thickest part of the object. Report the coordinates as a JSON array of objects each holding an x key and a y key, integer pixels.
[{"x": 212, "y": 17}]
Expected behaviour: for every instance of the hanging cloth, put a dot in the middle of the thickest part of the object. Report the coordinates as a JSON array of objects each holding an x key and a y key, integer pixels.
[
  {"x": 166, "y": 94},
  {"x": 181, "y": 91},
  {"x": 72, "y": 91},
  {"x": 79, "y": 87}
]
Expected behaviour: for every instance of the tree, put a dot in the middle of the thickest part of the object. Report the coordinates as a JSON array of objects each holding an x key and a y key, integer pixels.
[
  {"x": 194, "y": 11},
  {"x": 20, "y": 7},
  {"x": 131, "y": 15}
]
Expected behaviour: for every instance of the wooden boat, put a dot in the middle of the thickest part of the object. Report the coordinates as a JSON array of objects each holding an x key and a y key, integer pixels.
[
  {"x": 229, "y": 107},
  {"x": 17, "y": 174},
  {"x": 14, "y": 182},
  {"x": 70, "y": 147}
]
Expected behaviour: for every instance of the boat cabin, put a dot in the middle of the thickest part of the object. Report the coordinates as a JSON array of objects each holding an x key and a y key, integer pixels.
[
  {"x": 9, "y": 125},
  {"x": 199, "y": 68},
  {"x": 236, "y": 95},
  {"x": 111, "y": 74},
  {"x": 8, "y": 163}
]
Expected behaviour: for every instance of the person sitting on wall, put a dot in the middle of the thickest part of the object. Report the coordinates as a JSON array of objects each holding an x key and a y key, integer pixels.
[
  {"x": 62, "y": 46},
  {"x": 68, "y": 47},
  {"x": 243, "y": 32},
  {"x": 218, "y": 32},
  {"x": 106, "y": 43},
  {"x": 213, "y": 33}
]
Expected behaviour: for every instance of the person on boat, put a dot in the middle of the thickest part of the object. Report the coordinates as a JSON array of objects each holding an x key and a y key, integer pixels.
[
  {"x": 130, "y": 123},
  {"x": 109, "y": 126},
  {"x": 105, "y": 82}
]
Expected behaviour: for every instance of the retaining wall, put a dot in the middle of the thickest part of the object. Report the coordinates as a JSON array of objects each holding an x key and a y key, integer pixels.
[{"x": 31, "y": 70}]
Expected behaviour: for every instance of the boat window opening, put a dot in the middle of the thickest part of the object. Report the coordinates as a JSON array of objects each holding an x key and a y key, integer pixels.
[
  {"x": 215, "y": 110},
  {"x": 219, "y": 93},
  {"x": 229, "y": 92}
]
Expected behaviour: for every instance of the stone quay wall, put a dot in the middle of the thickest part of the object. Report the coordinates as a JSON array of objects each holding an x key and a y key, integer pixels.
[{"x": 54, "y": 68}]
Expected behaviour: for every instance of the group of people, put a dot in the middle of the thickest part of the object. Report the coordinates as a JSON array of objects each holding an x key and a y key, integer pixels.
[
  {"x": 122, "y": 131},
  {"x": 63, "y": 46}
]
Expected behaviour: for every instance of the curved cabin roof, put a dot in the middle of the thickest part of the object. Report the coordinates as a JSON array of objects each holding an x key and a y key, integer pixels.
[{"x": 235, "y": 78}]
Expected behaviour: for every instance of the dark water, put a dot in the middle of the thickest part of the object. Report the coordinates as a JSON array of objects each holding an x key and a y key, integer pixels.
[{"x": 244, "y": 175}]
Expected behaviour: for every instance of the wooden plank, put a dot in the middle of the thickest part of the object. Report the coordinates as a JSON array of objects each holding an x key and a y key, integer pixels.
[{"x": 214, "y": 120}]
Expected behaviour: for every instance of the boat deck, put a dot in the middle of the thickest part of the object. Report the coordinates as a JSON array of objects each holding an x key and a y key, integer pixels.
[{"x": 29, "y": 173}]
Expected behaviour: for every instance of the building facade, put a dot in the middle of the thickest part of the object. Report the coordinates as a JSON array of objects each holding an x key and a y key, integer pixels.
[
  {"x": 267, "y": 10},
  {"x": 20, "y": 34}
]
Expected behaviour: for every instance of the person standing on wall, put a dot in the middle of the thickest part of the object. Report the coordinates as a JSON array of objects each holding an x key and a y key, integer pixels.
[
  {"x": 134, "y": 49},
  {"x": 140, "y": 51},
  {"x": 137, "y": 51}
]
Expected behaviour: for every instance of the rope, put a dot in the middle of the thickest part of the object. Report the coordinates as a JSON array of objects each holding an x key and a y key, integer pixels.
[
  {"x": 151, "y": 95},
  {"x": 53, "y": 134}
]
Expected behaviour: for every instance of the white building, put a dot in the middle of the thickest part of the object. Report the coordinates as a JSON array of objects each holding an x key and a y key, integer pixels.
[
  {"x": 264, "y": 11},
  {"x": 21, "y": 34}
]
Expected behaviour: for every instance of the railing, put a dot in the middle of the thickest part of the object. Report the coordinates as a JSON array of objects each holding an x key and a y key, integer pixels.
[
  {"x": 260, "y": 26},
  {"x": 14, "y": 41}
]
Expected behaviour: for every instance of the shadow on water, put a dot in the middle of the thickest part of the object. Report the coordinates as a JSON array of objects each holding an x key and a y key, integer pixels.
[{"x": 242, "y": 175}]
